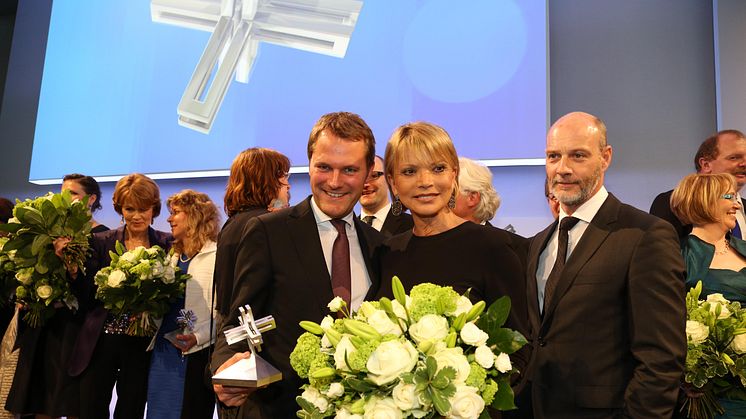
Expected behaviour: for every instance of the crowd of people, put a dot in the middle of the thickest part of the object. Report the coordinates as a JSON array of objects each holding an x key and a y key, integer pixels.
[{"x": 599, "y": 294}]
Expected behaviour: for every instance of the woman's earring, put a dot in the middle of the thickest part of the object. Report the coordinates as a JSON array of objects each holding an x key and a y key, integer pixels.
[
  {"x": 396, "y": 207},
  {"x": 121, "y": 222},
  {"x": 452, "y": 200}
]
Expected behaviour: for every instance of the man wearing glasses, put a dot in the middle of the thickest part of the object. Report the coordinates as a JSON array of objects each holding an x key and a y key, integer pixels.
[{"x": 376, "y": 205}]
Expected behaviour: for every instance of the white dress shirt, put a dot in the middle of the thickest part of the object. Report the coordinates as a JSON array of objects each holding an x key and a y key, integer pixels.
[
  {"x": 327, "y": 234},
  {"x": 740, "y": 218},
  {"x": 379, "y": 217},
  {"x": 585, "y": 214}
]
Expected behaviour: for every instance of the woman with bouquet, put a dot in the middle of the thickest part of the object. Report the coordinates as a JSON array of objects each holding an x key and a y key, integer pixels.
[
  {"x": 709, "y": 203},
  {"x": 422, "y": 168},
  {"x": 176, "y": 386},
  {"x": 41, "y": 385},
  {"x": 258, "y": 183},
  {"x": 104, "y": 354}
]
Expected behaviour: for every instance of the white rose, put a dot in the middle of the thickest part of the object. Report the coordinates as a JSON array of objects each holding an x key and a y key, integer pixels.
[
  {"x": 345, "y": 414},
  {"x": 391, "y": 359},
  {"x": 739, "y": 343},
  {"x": 466, "y": 403},
  {"x": 717, "y": 299},
  {"x": 316, "y": 398},
  {"x": 484, "y": 357},
  {"x": 473, "y": 335},
  {"x": 405, "y": 396},
  {"x": 344, "y": 346},
  {"x": 116, "y": 277},
  {"x": 502, "y": 363},
  {"x": 383, "y": 324},
  {"x": 463, "y": 305},
  {"x": 335, "y": 304},
  {"x": 44, "y": 291},
  {"x": 696, "y": 332},
  {"x": 129, "y": 257},
  {"x": 430, "y": 327},
  {"x": 169, "y": 275},
  {"x": 382, "y": 409},
  {"x": 325, "y": 343},
  {"x": 24, "y": 275},
  {"x": 335, "y": 390},
  {"x": 326, "y": 323},
  {"x": 454, "y": 357}
]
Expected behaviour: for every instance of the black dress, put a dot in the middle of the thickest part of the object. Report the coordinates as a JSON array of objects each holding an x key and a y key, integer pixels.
[
  {"x": 469, "y": 256},
  {"x": 41, "y": 384}
]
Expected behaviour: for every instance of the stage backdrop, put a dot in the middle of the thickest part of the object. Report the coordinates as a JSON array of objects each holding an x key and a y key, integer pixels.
[{"x": 113, "y": 78}]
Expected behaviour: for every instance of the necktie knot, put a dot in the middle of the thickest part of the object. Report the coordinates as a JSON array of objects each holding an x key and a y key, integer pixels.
[
  {"x": 339, "y": 224},
  {"x": 368, "y": 219},
  {"x": 568, "y": 223}
]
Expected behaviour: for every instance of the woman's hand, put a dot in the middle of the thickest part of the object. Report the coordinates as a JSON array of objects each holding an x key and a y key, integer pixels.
[
  {"x": 185, "y": 342},
  {"x": 59, "y": 248}
]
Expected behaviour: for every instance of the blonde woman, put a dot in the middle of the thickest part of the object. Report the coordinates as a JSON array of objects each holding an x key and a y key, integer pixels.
[{"x": 176, "y": 386}]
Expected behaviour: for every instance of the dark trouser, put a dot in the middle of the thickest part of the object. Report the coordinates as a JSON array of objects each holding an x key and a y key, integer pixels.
[
  {"x": 199, "y": 398},
  {"x": 117, "y": 359}
]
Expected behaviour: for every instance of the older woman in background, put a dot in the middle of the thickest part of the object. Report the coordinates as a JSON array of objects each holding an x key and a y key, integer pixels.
[
  {"x": 104, "y": 354},
  {"x": 176, "y": 387},
  {"x": 709, "y": 203},
  {"x": 422, "y": 168},
  {"x": 258, "y": 183},
  {"x": 41, "y": 384}
]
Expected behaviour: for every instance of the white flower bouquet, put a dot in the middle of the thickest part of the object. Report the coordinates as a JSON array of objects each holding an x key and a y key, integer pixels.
[
  {"x": 430, "y": 353},
  {"x": 716, "y": 353},
  {"x": 140, "y": 282},
  {"x": 41, "y": 274}
]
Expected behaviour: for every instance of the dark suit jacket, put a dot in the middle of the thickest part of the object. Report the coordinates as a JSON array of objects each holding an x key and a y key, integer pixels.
[
  {"x": 396, "y": 224},
  {"x": 661, "y": 208},
  {"x": 101, "y": 244},
  {"x": 517, "y": 243},
  {"x": 281, "y": 271},
  {"x": 612, "y": 341}
]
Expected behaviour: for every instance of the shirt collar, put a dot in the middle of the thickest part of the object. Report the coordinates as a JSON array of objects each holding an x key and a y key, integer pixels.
[
  {"x": 321, "y": 216},
  {"x": 380, "y": 214},
  {"x": 589, "y": 208}
]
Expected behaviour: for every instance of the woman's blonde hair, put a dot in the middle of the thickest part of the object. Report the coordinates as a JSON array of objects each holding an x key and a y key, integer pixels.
[
  {"x": 428, "y": 142},
  {"x": 202, "y": 217},
  {"x": 694, "y": 201}
]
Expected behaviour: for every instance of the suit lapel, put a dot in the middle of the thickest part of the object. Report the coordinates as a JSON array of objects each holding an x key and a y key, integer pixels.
[
  {"x": 368, "y": 246},
  {"x": 596, "y": 233},
  {"x": 532, "y": 293},
  {"x": 305, "y": 234}
]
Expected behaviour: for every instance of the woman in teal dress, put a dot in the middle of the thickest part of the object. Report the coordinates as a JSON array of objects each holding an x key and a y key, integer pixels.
[{"x": 709, "y": 203}]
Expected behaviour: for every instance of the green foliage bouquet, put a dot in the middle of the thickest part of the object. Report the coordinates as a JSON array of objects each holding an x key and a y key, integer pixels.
[
  {"x": 140, "y": 282},
  {"x": 430, "y": 353},
  {"x": 8, "y": 281},
  {"x": 41, "y": 274},
  {"x": 716, "y": 354}
]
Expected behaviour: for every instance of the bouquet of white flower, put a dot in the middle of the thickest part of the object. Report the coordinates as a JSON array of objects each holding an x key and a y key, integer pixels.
[
  {"x": 41, "y": 273},
  {"x": 142, "y": 282},
  {"x": 426, "y": 354},
  {"x": 716, "y": 354}
]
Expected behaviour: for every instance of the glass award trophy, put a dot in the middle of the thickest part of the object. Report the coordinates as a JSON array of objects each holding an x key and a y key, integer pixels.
[{"x": 254, "y": 371}]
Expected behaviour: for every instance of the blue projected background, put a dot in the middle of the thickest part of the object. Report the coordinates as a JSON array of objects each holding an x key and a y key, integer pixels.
[{"x": 113, "y": 79}]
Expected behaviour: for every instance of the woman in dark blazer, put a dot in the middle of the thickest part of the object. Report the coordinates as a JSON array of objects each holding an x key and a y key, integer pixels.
[{"x": 104, "y": 355}]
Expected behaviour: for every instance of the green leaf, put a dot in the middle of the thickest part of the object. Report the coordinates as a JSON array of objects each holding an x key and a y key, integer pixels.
[
  {"x": 440, "y": 402},
  {"x": 506, "y": 340},
  {"x": 39, "y": 243},
  {"x": 504, "y": 396},
  {"x": 120, "y": 248},
  {"x": 432, "y": 366},
  {"x": 399, "y": 294}
]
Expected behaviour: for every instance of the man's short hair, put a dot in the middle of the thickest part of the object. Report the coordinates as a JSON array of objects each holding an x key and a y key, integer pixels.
[
  {"x": 708, "y": 150},
  {"x": 348, "y": 126},
  {"x": 474, "y": 177},
  {"x": 694, "y": 201}
]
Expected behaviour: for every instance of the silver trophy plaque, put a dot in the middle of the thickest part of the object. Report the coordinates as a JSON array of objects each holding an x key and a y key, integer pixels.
[{"x": 254, "y": 371}]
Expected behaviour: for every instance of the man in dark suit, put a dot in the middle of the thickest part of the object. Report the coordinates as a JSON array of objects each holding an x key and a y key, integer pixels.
[
  {"x": 376, "y": 206},
  {"x": 722, "y": 152},
  {"x": 287, "y": 264},
  {"x": 608, "y": 321}
]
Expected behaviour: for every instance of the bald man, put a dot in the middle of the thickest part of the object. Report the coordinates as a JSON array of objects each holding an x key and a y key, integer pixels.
[{"x": 608, "y": 320}]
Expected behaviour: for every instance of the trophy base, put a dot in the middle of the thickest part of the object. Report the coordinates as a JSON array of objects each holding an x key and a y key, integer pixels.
[{"x": 251, "y": 372}]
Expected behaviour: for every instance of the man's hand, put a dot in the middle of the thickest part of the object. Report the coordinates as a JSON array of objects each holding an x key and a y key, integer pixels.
[
  {"x": 185, "y": 342},
  {"x": 233, "y": 396}
]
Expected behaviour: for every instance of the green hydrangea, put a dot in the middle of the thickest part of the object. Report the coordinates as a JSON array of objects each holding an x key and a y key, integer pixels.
[
  {"x": 307, "y": 349},
  {"x": 489, "y": 391},
  {"x": 320, "y": 361},
  {"x": 431, "y": 299},
  {"x": 359, "y": 358},
  {"x": 477, "y": 375}
]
